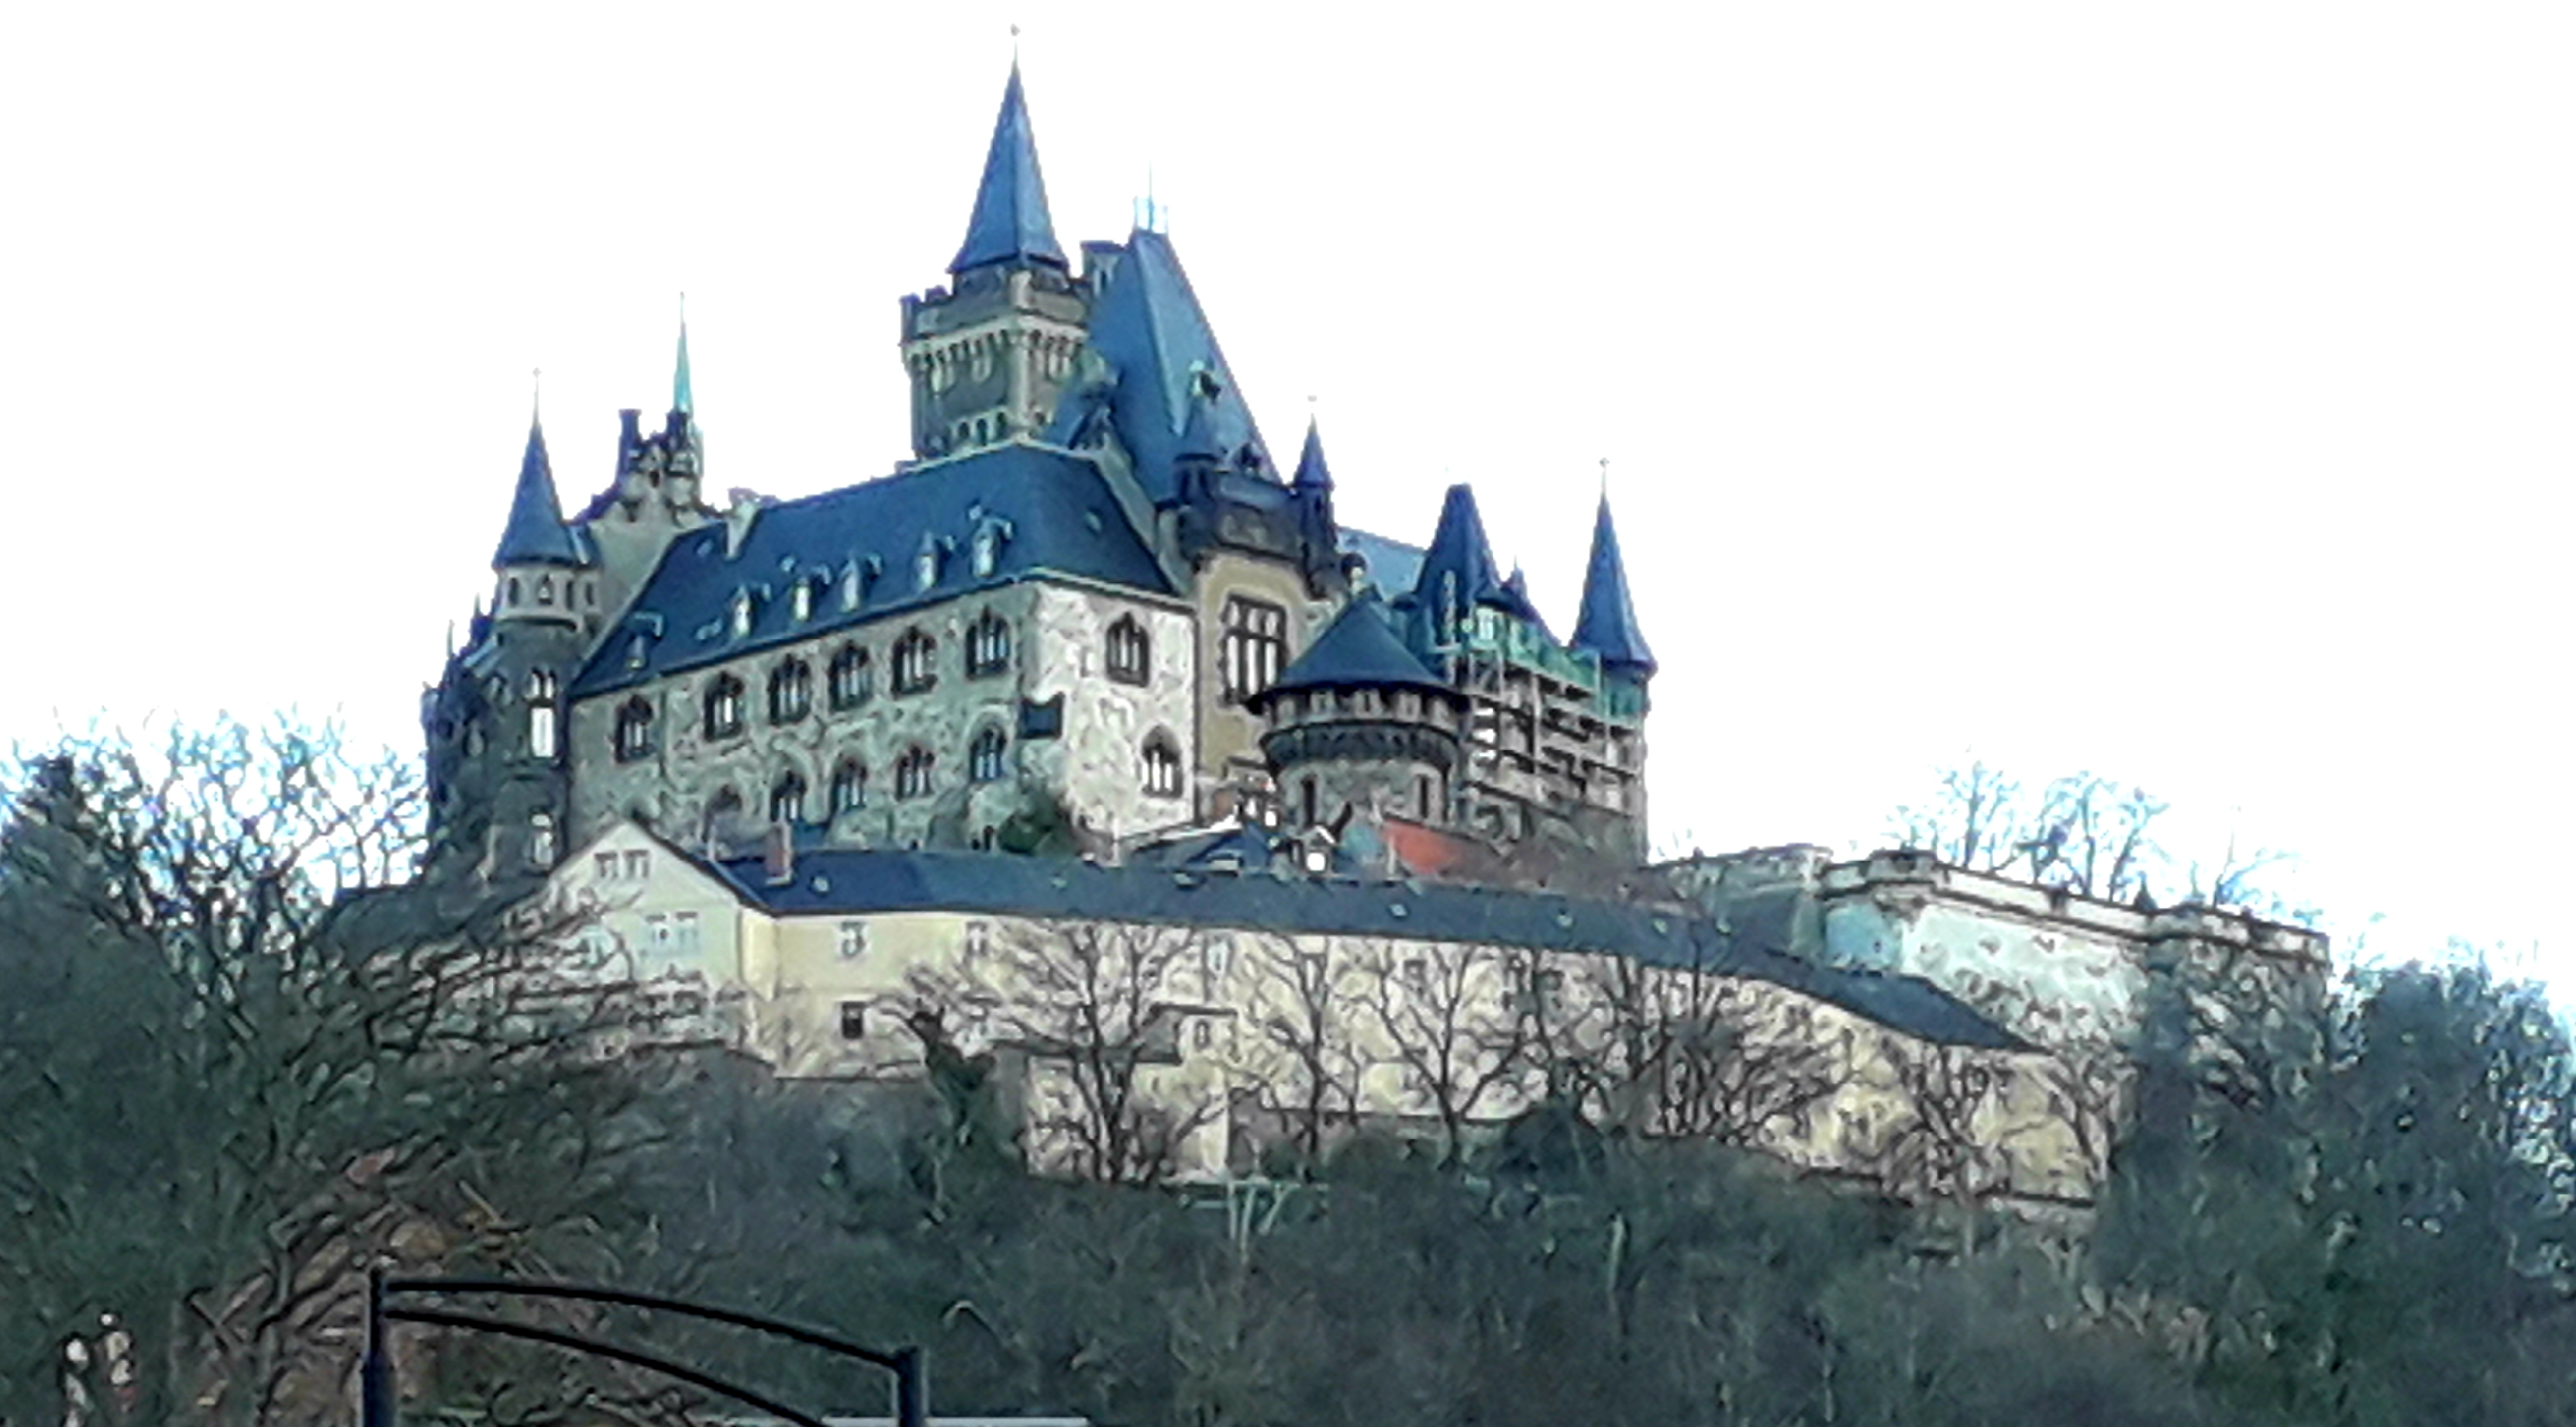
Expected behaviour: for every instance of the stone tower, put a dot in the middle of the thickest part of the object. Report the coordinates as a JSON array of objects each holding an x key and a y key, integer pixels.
[
  {"x": 656, "y": 495},
  {"x": 498, "y": 774},
  {"x": 1357, "y": 722},
  {"x": 990, "y": 354}
]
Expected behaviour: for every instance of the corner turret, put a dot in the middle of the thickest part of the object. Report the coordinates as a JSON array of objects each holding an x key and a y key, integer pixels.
[
  {"x": 1607, "y": 625},
  {"x": 1358, "y": 722}
]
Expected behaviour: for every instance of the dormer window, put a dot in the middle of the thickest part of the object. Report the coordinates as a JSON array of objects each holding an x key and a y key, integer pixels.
[
  {"x": 988, "y": 646},
  {"x": 853, "y": 586},
  {"x": 801, "y": 601},
  {"x": 1127, "y": 651},
  {"x": 634, "y": 736},
  {"x": 741, "y": 614},
  {"x": 853, "y": 679},
  {"x": 925, "y": 564},
  {"x": 791, "y": 691},
  {"x": 915, "y": 656},
  {"x": 724, "y": 707},
  {"x": 989, "y": 538}
]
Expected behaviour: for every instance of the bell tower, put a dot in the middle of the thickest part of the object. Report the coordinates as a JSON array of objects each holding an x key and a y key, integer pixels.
[{"x": 990, "y": 353}]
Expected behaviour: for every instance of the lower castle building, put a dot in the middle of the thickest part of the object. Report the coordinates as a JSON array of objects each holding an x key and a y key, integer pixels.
[{"x": 1093, "y": 683}]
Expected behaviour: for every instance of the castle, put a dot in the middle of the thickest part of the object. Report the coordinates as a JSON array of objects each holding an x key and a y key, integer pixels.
[
  {"x": 1094, "y": 675},
  {"x": 1093, "y": 597}
]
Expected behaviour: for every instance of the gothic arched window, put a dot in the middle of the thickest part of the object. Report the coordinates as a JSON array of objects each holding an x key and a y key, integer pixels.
[
  {"x": 722, "y": 810},
  {"x": 915, "y": 657},
  {"x": 791, "y": 691},
  {"x": 988, "y": 645},
  {"x": 787, "y": 798},
  {"x": 1162, "y": 765},
  {"x": 853, "y": 679},
  {"x": 634, "y": 737},
  {"x": 912, "y": 773},
  {"x": 542, "y": 723},
  {"x": 541, "y": 840},
  {"x": 1128, "y": 653},
  {"x": 849, "y": 786},
  {"x": 724, "y": 707},
  {"x": 985, "y": 756}
]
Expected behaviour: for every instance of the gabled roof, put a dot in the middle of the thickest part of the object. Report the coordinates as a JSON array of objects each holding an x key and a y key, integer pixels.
[
  {"x": 1358, "y": 650},
  {"x": 1047, "y": 512},
  {"x": 535, "y": 534},
  {"x": 1010, "y": 222},
  {"x": 1608, "y": 623},
  {"x": 1148, "y": 327},
  {"x": 842, "y": 882}
]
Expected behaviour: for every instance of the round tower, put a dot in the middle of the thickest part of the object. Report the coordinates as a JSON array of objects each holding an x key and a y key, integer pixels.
[{"x": 1359, "y": 724}]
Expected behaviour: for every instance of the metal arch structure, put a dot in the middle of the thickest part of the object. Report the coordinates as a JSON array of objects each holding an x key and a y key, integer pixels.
[{"x": 377, "y": 1401}]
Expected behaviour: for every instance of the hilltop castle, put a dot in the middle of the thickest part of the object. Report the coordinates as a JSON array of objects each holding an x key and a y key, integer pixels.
[
  {"x": 1362, "y": 836},
  {"x": 1093, "y": 604}
]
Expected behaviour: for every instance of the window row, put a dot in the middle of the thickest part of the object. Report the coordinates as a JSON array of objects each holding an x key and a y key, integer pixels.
[{"x": 916, "y": 776}]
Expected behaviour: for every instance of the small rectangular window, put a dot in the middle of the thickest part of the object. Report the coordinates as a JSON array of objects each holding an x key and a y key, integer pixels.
[
  {"x": 657, "y": 932},
  {"x": 1203, "y": 1033},
  {"x": 853, "y": 939},
  {"x": 684, "y": 931},
  {"x": 604, "y": 866},
  {"x": 854, "y": 1020}
]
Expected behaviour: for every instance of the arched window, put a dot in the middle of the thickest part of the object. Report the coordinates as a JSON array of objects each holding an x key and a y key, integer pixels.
[
  {"x": 1254, "y": 646},
  {"x": 541, "y": 840},
  {"x": 984, "y": 757},
  {"x": 849, "y": 786},
  {"x": 724, "y": 707},
  {"x": 915, "y": 657},
  {"x": 787, "y": 798},
  {"x": 791, "y": 691},
  {"x": 542, "y": 725},
  {"x": 800, "y": 601},
  {"x": 853, "y": 678},
  {"x": 546, "y": 590},
  {"x": 1128, "y": 653},
  {"x": 912, "y": 773},
  {"x": 722, "y": 811},
  {"x": 741, "y": 615},
  {"x": 1307, "y": 794},
  {"x": 514, "y": 589},
  {"x": 925, "y": 562},
  {"x": 988, "y": 646},
  {"x": 1162, "y": 765},
  {"x": 634, "y": 737}
]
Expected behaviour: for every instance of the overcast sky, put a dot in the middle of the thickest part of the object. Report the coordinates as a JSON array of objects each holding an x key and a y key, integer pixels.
[{"x": 2179, "y": 391}]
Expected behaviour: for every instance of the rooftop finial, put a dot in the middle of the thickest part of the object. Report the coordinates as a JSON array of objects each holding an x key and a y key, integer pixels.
[
  {"x": 1605, "y": 478},
  {"x": 536, "y": 394},
  {"x": 683, "y": 396}
]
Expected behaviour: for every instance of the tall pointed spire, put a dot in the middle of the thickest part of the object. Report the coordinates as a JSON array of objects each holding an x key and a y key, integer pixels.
[
  {"x": 683, "y": 399},
  {"x": 1312, "y": 473},
  {"x": 1608, "y": 623},
  {"x": 535, "y": 534},
  {"x": 1010, "y": 223}
]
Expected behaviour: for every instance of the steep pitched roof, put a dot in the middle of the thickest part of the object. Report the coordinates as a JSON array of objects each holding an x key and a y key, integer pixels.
[
  {"x": 1010, "y": 222},
  {"x": 1459, "y": 552},
  {"x": 1049, "y": 513},
  {"x": 847, "y": 881},
  {"x": 1311, "y": 470},
  {"x": 1393, "y": 566},
  {"x": 535, "y": 534},
  {"x": 1608, "y": 623},
  {"x": 1148, "y": 327},
  {"x": 1358, "y": 650}
]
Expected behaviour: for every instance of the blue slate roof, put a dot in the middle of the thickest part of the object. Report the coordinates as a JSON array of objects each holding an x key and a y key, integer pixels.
[
  {"x": 1312, "y": 472},
  {"x": 535, "y": 534},
  {"x": 1010, "y": 222},
  {"x": 1147, "y": 325},
  {"x": 1459, "y": 552},
  {"x": 842, "y": 882},
  {"x": 1358, "y": 650},
  {"x": 1608, "y": 623},
  {"x": 1393, "y": 566},
  {"x": 1050, "y": 511}
]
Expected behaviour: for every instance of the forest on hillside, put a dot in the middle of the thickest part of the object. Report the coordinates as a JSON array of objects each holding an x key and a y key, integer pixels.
[{"x": 231, "y": 1079}]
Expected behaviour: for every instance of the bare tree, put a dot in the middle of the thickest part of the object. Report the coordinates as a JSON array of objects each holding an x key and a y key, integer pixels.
[
  {"x": 1096, "y": 1004},
  {"x": 1300, "y": 1017},
  {"x": 1695, "y": 1054},
  {"x": 1973, "y": 820},
  {"x": 1453, "y": 1025},
  {"x": 246, "y": 1057}
]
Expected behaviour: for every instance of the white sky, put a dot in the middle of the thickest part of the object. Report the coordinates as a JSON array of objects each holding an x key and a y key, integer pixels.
[{"x": 2180, "y": 390}]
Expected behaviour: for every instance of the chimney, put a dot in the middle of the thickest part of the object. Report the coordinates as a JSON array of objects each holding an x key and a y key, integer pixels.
[{"x": 778, "y": 854}]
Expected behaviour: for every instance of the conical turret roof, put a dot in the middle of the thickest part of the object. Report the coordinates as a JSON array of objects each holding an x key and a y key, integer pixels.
[
  {"x": 1358, "y": 650},
  {"x": 1311, "y": 470},
  {"x": 1608, "y": 623},
  {"x": 1010, "y": 222},
  {"x": 536, "y": 534}
]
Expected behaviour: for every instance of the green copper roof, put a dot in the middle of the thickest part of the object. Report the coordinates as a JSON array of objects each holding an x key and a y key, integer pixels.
[
  {"x": 1010, "y": 222},
  {"x": 535, "y": 534}
]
